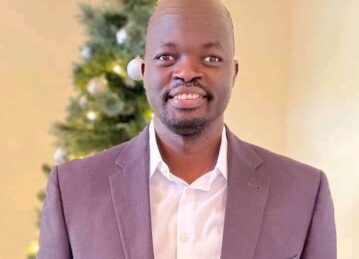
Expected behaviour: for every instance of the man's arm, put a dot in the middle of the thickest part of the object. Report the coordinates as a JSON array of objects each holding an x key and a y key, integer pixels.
[
  {"x": 321, "y": 239},
  {"x": 54, "y": 241}
]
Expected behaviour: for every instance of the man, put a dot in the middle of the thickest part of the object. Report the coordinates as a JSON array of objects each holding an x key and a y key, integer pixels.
[{"x": 186, "y": 187}]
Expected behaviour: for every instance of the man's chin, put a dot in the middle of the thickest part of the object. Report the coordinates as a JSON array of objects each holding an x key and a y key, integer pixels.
[{"x": 187, "y": 128}]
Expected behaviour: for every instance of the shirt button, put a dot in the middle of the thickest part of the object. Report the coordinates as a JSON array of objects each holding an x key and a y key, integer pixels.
[{"x": 184, "y": 237}]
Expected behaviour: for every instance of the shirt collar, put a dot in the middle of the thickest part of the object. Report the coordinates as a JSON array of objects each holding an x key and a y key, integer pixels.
[
  {"x": 156, "y": 159},
  {"x": 155, "y": 156}
]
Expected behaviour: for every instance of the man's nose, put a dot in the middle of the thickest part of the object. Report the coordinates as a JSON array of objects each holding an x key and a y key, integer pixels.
[{"x": 187, "y": 71}]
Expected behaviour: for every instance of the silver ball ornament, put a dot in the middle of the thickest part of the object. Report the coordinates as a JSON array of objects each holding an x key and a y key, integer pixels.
[
  {"x": 97, "y": 86},
  {"x": 60, "y": 155},
  {"x": 134, "y": 69},
  {"x": 83, "y": 102},
  {"x": 121, "y": 36},
  {"x": 86, "y": 52}
]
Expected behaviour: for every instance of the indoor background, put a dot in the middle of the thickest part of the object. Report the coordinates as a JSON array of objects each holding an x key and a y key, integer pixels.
[{"x": 297, "y": 94}]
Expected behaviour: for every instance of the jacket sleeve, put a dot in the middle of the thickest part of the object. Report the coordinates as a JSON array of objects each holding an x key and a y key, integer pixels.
[
  {"x": 54, "y": 241},
  {"x": 321, "y": 239}
]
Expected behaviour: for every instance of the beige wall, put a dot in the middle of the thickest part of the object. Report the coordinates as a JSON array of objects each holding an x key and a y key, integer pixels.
[
  {"x": 39, "y": 40},
  {"x": 323, "y": 118},
  {"x": 296, "y": 94},
  {"x": 257, "y": 112}
]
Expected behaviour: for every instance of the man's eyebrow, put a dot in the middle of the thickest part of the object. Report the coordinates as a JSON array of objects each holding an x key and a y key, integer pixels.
[
  {"x": 210, "y": 45},
  {"x": 207, "y": 45},
  {"x": 169, "y": 45}
]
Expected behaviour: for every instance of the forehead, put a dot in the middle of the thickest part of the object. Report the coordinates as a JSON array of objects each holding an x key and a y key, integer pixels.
[{"x": 189, "y": 24}]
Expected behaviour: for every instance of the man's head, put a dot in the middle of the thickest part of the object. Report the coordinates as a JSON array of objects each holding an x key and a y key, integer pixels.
[{"x": 189, "y": 68}]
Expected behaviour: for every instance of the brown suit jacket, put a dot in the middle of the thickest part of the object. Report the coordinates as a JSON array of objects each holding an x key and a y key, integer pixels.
[{"x": 98, "y": 207}]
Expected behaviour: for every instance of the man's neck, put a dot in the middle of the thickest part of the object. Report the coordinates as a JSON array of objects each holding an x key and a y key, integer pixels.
[{"x": 189, "y": 158}]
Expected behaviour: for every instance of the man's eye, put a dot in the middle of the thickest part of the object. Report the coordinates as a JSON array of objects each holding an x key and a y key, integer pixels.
[
  {"x": 165, "y": 57},
  {"x": 212, "y": 59}
]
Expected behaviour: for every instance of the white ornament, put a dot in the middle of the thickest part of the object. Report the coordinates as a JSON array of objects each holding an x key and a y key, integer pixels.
[
  {"x": 59, "y": 155},
  {"x": 134, "y": 69},
  {"x": 86, "y": 52},
  {"x": 91, "y": 115},
  {"x": 97, "y": 86},
  {"x": 83, "y": 102},
  {"x": 121, "y": 36}
]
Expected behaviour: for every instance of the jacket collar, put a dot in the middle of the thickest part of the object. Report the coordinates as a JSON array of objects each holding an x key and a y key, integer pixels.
[
  {"x": 130, "y": 197},
  {"x": 247, "y": 195}
]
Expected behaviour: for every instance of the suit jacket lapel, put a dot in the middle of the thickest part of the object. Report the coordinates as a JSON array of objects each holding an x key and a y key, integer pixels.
[
  {"x": 130, "y": 196},
  {"x": 247, "y": 195}
]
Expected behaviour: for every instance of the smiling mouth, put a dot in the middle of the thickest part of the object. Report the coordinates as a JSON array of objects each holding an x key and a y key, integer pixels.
[
  {"x": 185, "y": 101},
  {"x": 187, "y": 96}
]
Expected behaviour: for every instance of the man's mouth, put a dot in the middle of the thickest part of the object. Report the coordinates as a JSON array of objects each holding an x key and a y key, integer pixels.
[
  {"x": 185, "y": 101},
  {"x": 187, "y": 96}
]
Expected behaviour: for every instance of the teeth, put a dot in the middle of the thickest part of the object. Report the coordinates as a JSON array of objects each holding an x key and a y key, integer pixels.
[{"x": 187, "y": 96}]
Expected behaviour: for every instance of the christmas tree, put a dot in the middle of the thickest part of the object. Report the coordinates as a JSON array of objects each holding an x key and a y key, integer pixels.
[{"x": 109, "y": 107}]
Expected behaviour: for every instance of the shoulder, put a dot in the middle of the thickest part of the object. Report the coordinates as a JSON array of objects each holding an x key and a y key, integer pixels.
[
  {"x": 89, "y": 177},
  {"x": 104, "y": 161},
  {"x": 102, "y": 164},
  {"x": 292, "y": 183},
  {"x": 95, "y": 162},
  {"x": 88, "y": 173},
  {"x": 279, "y": 168},
  {"x": 280, "y": 163}
]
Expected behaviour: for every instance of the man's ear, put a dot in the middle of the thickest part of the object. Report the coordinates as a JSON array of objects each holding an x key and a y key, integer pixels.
[
  {"x": 143, "y": 69},
  {"x": 236, "y": 69},
  {"x": 143, "y": 72}
]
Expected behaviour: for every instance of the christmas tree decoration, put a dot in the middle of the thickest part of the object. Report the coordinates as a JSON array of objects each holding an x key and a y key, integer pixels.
[
  {"x": 119, "y": 70},
  {"x": 60, "y": 155},
  {"x": 110, "y": 108},
  {"x": 91, "y": 115},
  {"x": 97, "y": 86},
  {"x": 111, "y": 105},
  {"x": 129, "y": 82},
  {"x": 86, "y": 52},
  {"x": 121, "y": 36},
  {"x": 83, "y": 102},
  {"x": 32, "y": 249},
  {"x": 134, "y": 69}
]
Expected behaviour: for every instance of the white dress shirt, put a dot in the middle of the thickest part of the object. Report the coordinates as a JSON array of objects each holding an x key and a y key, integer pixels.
[{"x": 187, "y": 219}]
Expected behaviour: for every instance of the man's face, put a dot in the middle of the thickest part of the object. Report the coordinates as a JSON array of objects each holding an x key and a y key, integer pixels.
[{"x": 189, "y": 69}]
